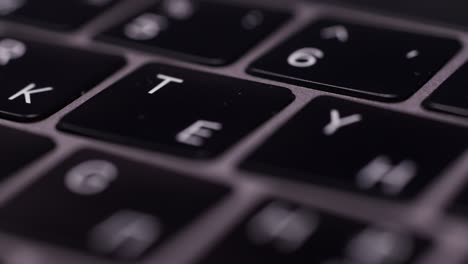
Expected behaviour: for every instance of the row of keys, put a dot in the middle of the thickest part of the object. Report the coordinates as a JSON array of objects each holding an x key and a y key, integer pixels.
[
  {"x": 108, "y": 206},
  {"x": 208, "y": 114},
  {"x": 116, "y": 208},
  {"x": 47, "y": 89},
  {"x": 331, "y": 142},
  {"x": 282, "y": 232},
  {"x": 330, "y": 55},
  {"x": 335, "y": 56}
]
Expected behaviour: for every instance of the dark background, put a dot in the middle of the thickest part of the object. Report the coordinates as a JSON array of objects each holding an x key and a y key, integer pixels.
[{"x": 452, "y": 12}]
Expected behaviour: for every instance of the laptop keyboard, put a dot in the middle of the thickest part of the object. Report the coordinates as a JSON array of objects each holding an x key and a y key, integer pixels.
[{"x": 180, "y": 131}]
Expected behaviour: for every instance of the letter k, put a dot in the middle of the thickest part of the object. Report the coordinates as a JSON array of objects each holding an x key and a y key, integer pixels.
[{"x": 28, "y": 90}]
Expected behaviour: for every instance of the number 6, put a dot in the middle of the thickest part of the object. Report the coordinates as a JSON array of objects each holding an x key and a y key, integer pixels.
[{"x": 306, "y": 57}]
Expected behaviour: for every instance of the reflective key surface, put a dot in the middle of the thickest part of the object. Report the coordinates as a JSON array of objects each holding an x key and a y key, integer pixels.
[
  {"x": 179, "y": 111},
  {"x": 359, "y": 148},
  {"x": 346, "y": 58}
]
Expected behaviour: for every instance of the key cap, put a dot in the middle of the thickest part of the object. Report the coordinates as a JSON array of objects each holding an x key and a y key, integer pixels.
[
  {"x": 451, "y": 96},
  {"x": 39, "y": 79},
  {"x": 355, "y": 60},
  {"x": 199, "y": 31},
  {"x": 359, "y": 148},
  {"x": 178, "y": 111},
  {"x": 108, "y": 206},
  {"x": 20, "y": 149},
  {"x": 282, "y": 232},
  {"x": 54, "y": 14}
]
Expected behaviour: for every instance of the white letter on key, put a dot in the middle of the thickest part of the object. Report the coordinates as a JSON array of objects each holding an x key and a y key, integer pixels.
[
  {"x": 198, "y": 131},
  {"x": 166, "y": 80},
  {"x": 28, "y": 90},
  {"x": 337, "y": 122}
]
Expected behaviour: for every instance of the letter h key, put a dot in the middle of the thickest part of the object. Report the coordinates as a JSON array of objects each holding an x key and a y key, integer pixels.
[{"x": 393, "y": 178}]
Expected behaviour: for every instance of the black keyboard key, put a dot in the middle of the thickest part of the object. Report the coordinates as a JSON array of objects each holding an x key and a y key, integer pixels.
[
  {"x": 360, "y": 148},
  {"x": 451, "y": 96},
  {"x": 39, "y": 79},
  {"x": 178, "y": 111},
  {"x": 19, "y": 149},
  {"x": 356, "y": 60},
  {"x": 55, "y": 14},
  {"x": 200, "y": 31},
  {"x": 108, "y": 206},
  {"x": 281, "y": 232}
]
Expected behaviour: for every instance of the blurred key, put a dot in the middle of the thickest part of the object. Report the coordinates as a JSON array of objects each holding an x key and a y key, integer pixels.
[
  {"x": 108, "y": 206},
  {"x": 206, "y": 32},
  {"x": 280, "y": 232},
  {"x": 55, "y": 14}
]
